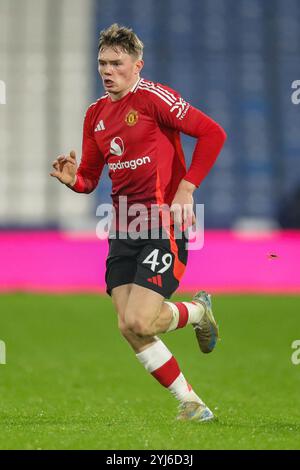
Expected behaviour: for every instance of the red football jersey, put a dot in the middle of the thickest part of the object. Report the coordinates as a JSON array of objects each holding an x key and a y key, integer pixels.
[{"x": 138, "y": 137}]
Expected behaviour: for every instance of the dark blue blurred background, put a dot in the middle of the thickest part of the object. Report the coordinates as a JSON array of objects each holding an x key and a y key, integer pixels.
[{"x": 236, "y": 61}]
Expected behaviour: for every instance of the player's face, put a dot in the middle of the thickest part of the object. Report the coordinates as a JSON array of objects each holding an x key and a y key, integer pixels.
[{"x": 119, "y": 71}]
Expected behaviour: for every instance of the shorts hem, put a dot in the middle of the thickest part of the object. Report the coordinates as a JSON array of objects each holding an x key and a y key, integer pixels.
[
  {"x": 121, "y": 283},
  {"x": 154, "y": 288}
]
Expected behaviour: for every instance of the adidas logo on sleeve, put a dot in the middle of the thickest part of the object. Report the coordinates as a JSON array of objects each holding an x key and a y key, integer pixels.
[{"x": 100, "y": 126}]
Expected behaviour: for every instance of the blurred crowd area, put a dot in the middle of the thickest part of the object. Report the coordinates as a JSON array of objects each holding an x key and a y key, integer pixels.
[{"x": 236, "y": 60}]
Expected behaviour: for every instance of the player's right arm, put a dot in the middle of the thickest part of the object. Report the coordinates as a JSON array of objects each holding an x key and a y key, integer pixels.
[{"x": 82, "y": 179}]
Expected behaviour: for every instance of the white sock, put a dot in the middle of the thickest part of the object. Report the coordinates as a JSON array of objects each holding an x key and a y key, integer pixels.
[
  {"x": 162, "y": 365},
  {"x": 184, "y": 313}
]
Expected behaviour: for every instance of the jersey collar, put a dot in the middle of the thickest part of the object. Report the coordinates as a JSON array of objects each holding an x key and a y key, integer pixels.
[{"x": 135, "y": 86}]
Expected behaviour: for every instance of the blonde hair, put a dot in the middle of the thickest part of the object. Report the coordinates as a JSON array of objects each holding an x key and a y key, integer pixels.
[{"x": 119, "y": 36}]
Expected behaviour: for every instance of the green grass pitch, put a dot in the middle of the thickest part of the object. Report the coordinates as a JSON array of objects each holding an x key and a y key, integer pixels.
[{"x": 71, "y": 381}]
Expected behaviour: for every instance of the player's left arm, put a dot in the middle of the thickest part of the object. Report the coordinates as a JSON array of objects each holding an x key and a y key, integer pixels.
[{"x": 176, "y": 113}]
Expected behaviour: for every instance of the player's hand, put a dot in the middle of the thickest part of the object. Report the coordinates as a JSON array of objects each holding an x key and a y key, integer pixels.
[
  {"x": 182, "y": 205},
  {"x": 65, "y": 168}
]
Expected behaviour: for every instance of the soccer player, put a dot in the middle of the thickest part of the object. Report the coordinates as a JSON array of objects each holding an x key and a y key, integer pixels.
[{"x": 135, "y": 130}]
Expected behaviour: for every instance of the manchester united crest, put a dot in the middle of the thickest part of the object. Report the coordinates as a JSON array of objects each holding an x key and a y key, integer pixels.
[{"x": 132, "y": 118}]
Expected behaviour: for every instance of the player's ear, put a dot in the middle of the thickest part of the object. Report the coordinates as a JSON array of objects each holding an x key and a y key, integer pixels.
[{"x": 139, "y": 65}]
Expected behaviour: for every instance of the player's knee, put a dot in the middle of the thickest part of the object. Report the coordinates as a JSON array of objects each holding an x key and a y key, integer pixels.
[
  {"x": 132, "y": 330},
  {"x": 138, "y": 327},
  {"x": 124, "y": 330}
]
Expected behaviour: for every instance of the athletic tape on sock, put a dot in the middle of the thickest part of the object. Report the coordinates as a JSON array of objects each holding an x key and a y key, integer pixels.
[
  {"x": 175, "y": 312},
  {"x": 154, "y": 356}
]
